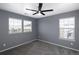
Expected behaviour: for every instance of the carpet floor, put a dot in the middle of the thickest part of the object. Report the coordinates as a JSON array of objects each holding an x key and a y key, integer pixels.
[{"x": 39, "y": 48}]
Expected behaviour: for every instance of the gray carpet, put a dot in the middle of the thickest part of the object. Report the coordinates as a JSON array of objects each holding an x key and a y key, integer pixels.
[{"x": 39, "y": 48}]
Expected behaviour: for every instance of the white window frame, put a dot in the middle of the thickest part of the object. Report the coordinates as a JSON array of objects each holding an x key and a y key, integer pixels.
[
  {"x": 17, "y": 26},
  {"x": 26, "y": 23},
  {"x": 66, "y": 27}
]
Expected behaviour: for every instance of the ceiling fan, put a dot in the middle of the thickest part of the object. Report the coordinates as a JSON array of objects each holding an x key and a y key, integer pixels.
[{"x": 39, "y": 10}]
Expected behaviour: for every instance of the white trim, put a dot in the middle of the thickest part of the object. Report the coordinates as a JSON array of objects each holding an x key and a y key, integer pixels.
[
  {"x": 39, "y": 40},
  {"x": 18, "y": 45},
  {"x": 59, "y": 45}
]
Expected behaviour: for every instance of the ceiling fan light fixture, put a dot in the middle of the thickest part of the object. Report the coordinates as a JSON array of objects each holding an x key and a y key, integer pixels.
[
  {"x": 39, "y": 14},
  {"x": 39, "y": 11}
]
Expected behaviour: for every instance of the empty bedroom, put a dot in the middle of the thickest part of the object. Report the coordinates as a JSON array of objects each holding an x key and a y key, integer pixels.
[{"x": 39, "y": 28}]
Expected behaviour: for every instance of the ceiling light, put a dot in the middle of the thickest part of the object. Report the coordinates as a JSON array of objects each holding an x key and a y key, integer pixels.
[{"x": 39, "y": 14}]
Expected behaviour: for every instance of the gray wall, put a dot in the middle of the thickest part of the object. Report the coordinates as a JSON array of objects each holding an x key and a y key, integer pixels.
[
  {"x": 14, "y": 39},
  {"x": 44, "y": 28},
  {"x": 48, "y": 29}
]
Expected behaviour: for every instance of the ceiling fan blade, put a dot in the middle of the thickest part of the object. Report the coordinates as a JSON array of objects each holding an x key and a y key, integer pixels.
[
  {"x": 31, "y": 10},
  {"x": 47, "y": 10},
  {"x": 40, "y": 6},
  {"x": 35, "y": 13},
  {"x": 42, "y": 13}
]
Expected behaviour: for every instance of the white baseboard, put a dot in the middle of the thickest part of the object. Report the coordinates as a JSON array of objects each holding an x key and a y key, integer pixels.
[
  {"x": 18, "y": 45},
  {"x": 39, "y": 40},
  {"x": 59, "y": 45}
]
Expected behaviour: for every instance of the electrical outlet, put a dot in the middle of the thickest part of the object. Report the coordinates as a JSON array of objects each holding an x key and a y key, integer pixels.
[
  {"x": 4, "y": 44},
  {"x": 71, "y": 43}
]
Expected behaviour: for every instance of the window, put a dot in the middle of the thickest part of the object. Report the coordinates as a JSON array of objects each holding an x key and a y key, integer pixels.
[
  {"x": 15, "y": 25},
  {"x": 67, "y": 28},
  {"x": 27, "y": 26}
]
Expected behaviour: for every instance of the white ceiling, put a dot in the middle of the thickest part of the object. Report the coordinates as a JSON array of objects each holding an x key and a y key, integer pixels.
[{"x": 20, "y": 8}]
